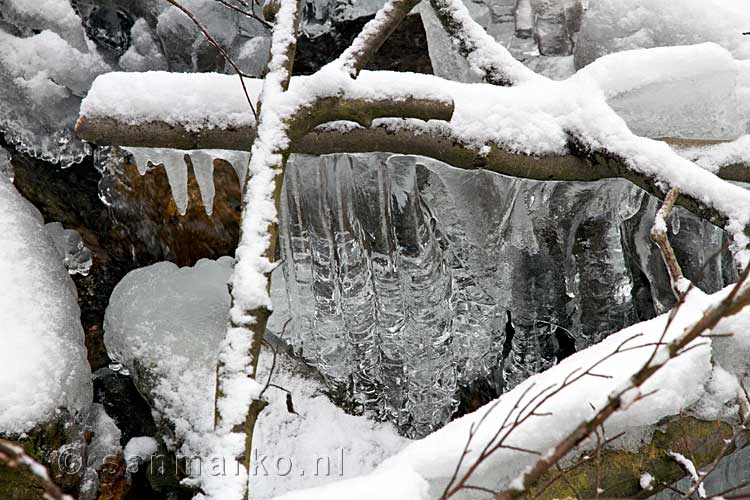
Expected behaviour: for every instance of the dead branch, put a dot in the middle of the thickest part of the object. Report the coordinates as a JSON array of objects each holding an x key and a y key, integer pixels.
[
  {"x": 373, "y": 35},
  {"x": 485, "y": 55},
  {"x": 660, "y": 237}
]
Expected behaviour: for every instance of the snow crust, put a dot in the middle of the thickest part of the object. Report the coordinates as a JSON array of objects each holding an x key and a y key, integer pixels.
[
  {"x": 43, "y": 364},
  {"x": 713, "y": 157},
  {"x": 141, "y": 448}
]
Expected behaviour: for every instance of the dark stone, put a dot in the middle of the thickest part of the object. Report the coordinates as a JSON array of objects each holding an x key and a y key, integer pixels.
[
  {"x": 405, "y": 49},
  {"x": 124, "y": 404}
]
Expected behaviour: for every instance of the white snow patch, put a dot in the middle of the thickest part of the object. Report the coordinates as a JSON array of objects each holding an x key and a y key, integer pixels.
[{"x": 43, "y": 364}]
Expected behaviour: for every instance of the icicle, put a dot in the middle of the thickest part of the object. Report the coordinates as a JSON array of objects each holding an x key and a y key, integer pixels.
[
  {"x": 203, "y": 168},
  {"x": 238, "y": 159},
  {"x": 173, "y": 161}
]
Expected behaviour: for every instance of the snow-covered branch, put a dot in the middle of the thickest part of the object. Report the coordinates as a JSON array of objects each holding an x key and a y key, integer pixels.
[
  {"x": 14, "y": 457},
  {"x": 238, "y": 394},
  {"x": 486, "y": 56},
  {"x": 633, "y": 390},
  {"x": 373, "y": 35}
]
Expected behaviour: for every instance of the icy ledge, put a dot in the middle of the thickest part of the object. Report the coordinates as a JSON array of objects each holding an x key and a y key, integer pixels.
[
  {"x": 699, "y": 382},
  {"x": 43, "y": 363}
]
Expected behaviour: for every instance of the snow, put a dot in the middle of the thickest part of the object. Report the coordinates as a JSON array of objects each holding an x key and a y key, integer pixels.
[
  {"x": 144, "y": 53},
  {"x": 689, "y": 467},
  {"x": 681, "y": 383},
  {"x": 694, "y": 94},
  {"x": 192, "y": 100},
  {"x": 647, "y": 481},
  {"x": 43, "y": 363},
  {"x": 55, "y": 15},
  {"x": 713, "y": 157},
  {"x": 140, "y": 448},
  {"x": 47, "y": 56}
]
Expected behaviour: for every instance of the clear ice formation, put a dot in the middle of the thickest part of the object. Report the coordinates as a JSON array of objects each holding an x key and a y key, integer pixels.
[
  {"x": 75, "y": 256},
  {"x": 408, "y": 279}
]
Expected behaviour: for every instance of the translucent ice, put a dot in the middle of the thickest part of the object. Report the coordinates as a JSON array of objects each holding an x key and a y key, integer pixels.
[
  {"x": 75, "y": 255},
  {"x": 48, "y": 75}
]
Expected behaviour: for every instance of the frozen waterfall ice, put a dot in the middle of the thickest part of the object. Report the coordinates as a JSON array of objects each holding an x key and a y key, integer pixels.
[{"x": 410, "y": 281}]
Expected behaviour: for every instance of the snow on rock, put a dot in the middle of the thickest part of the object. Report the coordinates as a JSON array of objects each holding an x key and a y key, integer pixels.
[
  {"x": 43, "y": 363},
  {"x": 681, "y": 383},
  {"x": 164, "y": 323},
  {"x": 692, "y": 95},
  {"x": 55, "y": 15},
  {"x": 144, "y": 53},
  {"x": 167, "y": 323},
  {"x": 615, "y": 25}
]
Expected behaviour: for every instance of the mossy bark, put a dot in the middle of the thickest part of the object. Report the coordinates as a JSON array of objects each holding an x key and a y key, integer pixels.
[{"x": 619, "y": 471}]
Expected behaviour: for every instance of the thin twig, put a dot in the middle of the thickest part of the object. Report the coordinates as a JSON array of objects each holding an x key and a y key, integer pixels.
[
  {"x": 221, "y": 50},
  {"x": 661, "y": 238}
]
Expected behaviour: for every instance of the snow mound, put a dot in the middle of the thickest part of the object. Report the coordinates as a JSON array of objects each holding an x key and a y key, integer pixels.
[{"x": 43, "y": 363}]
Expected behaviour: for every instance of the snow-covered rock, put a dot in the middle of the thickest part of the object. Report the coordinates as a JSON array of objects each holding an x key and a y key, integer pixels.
[{"x": 43, "y": 363}]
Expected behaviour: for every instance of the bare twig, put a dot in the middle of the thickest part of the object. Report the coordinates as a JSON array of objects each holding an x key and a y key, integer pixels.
[
  {"x": 221, "y": 50},
  {"x": 660, "y": 237},
  {"x": 245, "y": 13}
]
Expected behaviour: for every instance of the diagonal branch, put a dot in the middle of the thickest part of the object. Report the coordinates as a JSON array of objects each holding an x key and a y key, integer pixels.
[
  {"x": 660, "y": 237},
  {"x": 485, "y": 55},
  {"x": 373, "y": 35}
]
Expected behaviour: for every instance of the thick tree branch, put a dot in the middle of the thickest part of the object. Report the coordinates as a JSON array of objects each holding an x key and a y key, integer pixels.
[{"x": 434, "y": 139}]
